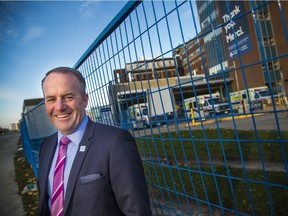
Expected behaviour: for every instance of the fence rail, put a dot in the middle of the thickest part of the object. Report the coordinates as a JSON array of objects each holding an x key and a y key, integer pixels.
[{"x": 202, "y": 86}]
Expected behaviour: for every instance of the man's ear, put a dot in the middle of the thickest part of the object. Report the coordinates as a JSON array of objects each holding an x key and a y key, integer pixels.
[{"x": 86, "y": 97}]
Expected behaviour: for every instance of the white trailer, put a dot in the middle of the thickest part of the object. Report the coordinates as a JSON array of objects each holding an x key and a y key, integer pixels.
[{"x": 160, "y": 105}]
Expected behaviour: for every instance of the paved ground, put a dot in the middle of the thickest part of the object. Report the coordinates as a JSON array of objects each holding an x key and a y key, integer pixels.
[
  {"x": 267, "y": 121},
  {"x": 10, "y": 201}
]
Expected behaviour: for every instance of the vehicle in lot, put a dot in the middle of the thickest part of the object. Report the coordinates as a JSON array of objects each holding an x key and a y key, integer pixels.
[
  {"x": 154, "y": 106},
  {"x": 206, "y": 105},
  {"x": 156, "y": 110},
  {"x": 138, "y": 116},
  {"x": 256, "y": 97},
  {"x": 160, "y": 105}
]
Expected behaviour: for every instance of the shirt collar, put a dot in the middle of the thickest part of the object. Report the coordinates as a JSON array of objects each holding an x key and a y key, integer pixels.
[{"x": 77, "y": 135}]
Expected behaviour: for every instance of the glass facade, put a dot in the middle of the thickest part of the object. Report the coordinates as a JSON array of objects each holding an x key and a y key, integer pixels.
[
  {"x": 213, "y": 40},
  {"x": 268, "y": 47}
]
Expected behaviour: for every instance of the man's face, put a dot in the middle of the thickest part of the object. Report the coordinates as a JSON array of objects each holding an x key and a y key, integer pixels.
[{"x": 64, "y": 103}]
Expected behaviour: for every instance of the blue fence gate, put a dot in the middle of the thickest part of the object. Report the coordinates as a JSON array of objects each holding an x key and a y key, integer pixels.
[{"x": 202, "y": 86}]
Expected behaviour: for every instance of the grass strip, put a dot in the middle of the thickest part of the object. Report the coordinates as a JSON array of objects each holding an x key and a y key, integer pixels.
[{"x": 23, "y": 176}]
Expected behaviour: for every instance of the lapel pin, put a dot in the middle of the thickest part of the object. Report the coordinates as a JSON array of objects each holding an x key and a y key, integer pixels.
[{"x": 82, "y": 148}]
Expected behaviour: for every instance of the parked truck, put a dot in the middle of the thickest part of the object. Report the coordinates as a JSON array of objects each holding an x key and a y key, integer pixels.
[
  {"x": 206, "y": 105},
  {"x": 257, "y": 97},
  {"x": 259, "y": 93},
  {"x": 138, "y": 116},
  {"x": 160, "y": 105}
]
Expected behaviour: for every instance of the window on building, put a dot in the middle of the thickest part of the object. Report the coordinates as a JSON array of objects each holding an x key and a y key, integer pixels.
[{"x": 268, "y": 41}]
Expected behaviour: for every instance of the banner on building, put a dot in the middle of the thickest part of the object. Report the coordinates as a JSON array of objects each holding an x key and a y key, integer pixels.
[{"x": 236, "y": 30}]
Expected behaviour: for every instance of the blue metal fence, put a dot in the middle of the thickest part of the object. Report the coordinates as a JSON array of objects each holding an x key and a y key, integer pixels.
[
  {"x": 35, "y": 126},
  {"x": 203, "y": 87}
]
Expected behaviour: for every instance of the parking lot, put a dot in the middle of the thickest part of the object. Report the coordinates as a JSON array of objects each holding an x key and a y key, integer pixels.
[{"x": 257, "y": 121}]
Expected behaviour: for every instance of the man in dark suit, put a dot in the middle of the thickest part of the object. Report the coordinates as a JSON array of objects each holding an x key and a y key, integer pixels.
[{"x": 102, "y": 170}]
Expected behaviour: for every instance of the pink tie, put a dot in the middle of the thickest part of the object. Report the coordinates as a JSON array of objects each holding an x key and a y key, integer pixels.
[{"x": 57, "y": 201}]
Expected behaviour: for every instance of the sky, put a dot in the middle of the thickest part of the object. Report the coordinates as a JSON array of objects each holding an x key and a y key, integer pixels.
[{"x": 36, "y": 36}]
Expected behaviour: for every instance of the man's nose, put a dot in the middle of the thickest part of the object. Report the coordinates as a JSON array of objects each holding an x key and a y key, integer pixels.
[{"x": 60, "y": 104}]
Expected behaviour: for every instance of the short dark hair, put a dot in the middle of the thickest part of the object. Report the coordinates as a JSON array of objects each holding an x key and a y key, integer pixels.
[{"x": 68, "y": 70}]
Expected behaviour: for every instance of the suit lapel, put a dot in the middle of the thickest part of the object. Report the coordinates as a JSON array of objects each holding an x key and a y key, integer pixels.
[
  {"x": 78, "y": 161},
  {"x": 46, "y": 164}
]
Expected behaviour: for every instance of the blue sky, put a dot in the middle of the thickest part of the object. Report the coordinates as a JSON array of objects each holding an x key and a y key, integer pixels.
[{"x": 36, "y": 36}]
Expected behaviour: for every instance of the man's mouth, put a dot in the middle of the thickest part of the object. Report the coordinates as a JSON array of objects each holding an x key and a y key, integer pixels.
[{"x": 62, "y": 116}]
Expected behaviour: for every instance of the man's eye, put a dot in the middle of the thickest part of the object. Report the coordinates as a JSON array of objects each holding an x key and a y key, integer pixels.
[
  {"x": 50, "y": 99},
  {"x": 69, "y": 98}
]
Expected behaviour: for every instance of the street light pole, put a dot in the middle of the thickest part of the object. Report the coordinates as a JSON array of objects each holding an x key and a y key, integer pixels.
[{"x": 236, "y": 78}]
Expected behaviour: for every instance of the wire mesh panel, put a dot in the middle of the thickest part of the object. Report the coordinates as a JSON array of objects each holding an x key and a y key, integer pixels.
[
  {"x": 202, "y": 86},
  {"x": 35, "y": 126}
]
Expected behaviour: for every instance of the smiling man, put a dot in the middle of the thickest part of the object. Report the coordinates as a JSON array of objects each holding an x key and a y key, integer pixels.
[
  {"x": 65, "y": 100},
  {"x": 86, "y": 168}
]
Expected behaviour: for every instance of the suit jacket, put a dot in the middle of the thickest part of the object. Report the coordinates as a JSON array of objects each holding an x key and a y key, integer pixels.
[{"x": 106, "y": 179}]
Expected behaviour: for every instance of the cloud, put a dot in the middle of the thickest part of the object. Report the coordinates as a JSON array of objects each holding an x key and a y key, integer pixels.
[
  {"x": 31, "y": 33},
  {"x": 86, "y": 10},
  {"x": 15, "y": 25},
  {"x": 7, "y": 30},
  {"x": 9, "y": 33}
]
